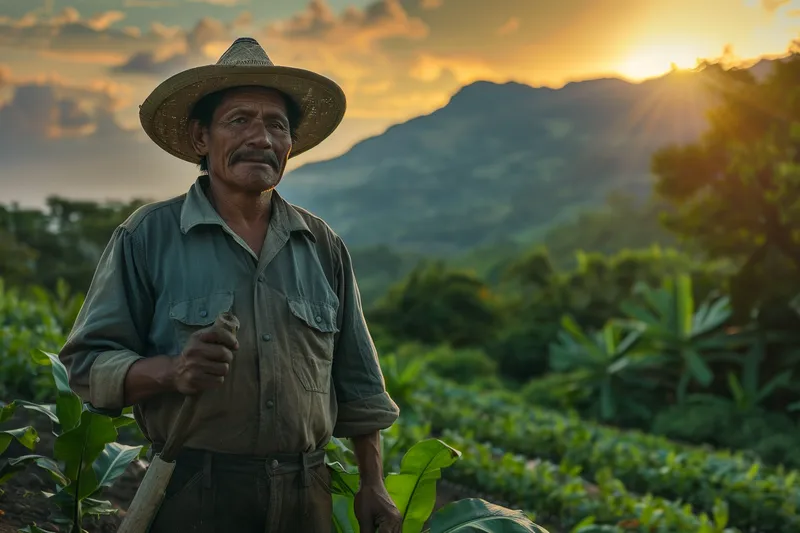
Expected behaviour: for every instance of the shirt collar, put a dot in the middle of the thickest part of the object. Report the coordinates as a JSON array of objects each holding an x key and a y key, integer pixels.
[{"x": 197, "y": 210}]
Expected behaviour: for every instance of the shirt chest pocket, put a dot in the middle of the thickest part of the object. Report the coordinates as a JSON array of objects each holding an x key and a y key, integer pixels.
[
  {"x": 194, "y": 314},
  {"x": 312, "y": 331}
]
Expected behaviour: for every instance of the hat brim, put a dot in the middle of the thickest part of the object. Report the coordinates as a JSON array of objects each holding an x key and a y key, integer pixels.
[{"x": 164, "y": 115}]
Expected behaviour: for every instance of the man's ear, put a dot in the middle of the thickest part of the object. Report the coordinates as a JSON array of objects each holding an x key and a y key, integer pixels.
[{"x": 198, "y": 136}]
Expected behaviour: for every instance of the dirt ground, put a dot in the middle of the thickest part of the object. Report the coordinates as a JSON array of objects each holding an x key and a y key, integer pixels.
[{"x": 22, "y": 502}]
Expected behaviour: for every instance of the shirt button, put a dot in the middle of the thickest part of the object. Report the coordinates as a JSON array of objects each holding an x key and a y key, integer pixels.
[
  {"x": 270, "y": 403},
  {"x": 203, "y": 313},
  {"x": 266, "y": 336},
  {"x": 318, "y": 318},
  {"x": 274, "y": 463}
]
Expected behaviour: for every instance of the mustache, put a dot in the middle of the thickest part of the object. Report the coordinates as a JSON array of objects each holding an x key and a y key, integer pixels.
[{"x": 259, "y": 156}]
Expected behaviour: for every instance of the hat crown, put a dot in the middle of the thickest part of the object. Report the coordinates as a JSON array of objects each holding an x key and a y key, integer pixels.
[{"x": 245, "y": 51}]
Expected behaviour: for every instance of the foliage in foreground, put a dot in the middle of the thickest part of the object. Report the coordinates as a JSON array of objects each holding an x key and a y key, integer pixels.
[
  {"x": 87, "y": 459},
  {"x": 413, "y": 490}
]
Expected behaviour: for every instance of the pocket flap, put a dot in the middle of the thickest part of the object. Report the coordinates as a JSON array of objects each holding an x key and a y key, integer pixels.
[
  {"x": 201, "y": 311},
  {"x": 320, "y": 316}
]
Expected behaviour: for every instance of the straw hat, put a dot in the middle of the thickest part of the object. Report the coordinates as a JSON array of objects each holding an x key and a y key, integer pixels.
[{"x": 165, "y": 113}]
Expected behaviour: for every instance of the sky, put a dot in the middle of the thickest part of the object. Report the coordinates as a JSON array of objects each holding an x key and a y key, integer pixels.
[{"x": 73, "y": 72}]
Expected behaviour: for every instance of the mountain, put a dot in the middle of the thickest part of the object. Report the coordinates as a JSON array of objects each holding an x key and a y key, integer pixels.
[{"x": 501, "y": 162}]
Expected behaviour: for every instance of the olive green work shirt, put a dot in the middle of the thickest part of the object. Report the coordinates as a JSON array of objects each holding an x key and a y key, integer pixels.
[{"x": 306, "y": 367}]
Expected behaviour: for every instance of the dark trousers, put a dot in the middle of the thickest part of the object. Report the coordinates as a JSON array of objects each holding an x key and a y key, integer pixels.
[{"x": 219, "y": 493}]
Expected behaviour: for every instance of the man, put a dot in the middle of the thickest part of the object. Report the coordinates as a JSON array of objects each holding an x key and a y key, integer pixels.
[{"x": 302, "y": 366}]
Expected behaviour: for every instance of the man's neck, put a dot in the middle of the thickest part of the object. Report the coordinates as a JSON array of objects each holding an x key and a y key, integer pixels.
[{"x": 239, "y": 209}]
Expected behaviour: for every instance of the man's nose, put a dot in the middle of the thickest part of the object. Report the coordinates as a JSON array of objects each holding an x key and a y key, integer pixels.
[{"x": 258, "y": 136}]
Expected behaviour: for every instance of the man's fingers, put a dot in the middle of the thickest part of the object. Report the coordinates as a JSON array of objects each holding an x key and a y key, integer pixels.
[
  {"x": 215, "y": 368},
  {"x": 217, "y": 354},
  {"x": 217, "y": 335}
]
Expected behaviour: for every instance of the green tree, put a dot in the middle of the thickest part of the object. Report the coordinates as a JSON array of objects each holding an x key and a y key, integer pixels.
[
  {"x": 736, "y": 191},
  {"x": 439, "y": 305},
  {"x": 64, "y": 241}
]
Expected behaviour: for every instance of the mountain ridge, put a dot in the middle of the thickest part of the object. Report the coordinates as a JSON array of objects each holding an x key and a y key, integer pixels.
[{"x": 501, "y": 161}]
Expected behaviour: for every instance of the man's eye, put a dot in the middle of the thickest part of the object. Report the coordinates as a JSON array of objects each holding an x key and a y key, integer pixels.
[{"x": 238, "y": 120}]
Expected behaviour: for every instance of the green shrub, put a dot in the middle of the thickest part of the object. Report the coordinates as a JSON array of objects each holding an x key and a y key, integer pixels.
[
  {"x": 30, "y": 320},
  {"x": 465, "y": 366}
]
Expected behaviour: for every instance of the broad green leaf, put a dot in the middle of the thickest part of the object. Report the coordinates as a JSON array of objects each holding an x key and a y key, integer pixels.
[
  {"x": 26, "y": 436},
  {"x": 575, "y": 331},
  {"x": 619, "y": 365},
  {"x": 698, "y": 368},
  {"x": 607, "y": 409},
  {"x": 344, "y": 518},
  {"x": 629, "y": 341},
  {"x": 684, "y": 305},
  {"x": 413, "y": 489},
  {"x": 113, "y": 461},
  {"x": 123, "y": 420},
  {"x": 94, "y": 507},
  {"x": 68, "y": 404},
  {"x": 720, "y": 513},
  {"x": 736, "y": 389},
  {"x": 343, "y": 482},
  {"x": 49, "y": 410},
  {"x": 337, "y": 451},
  {"x": 609, "y": 340},
  {"x": 12, "y": 466},
  {"x": 474, "y": 515},
  {"x": 20, "y": 463},
  {"x": 34, "y": 529},
  {"x": 7, "y": 411},
  {"x": 584, "y": 524},
  {"x": 714, "y": 316},
  {"x": 79, "y": 447},
  {"x": 780, "y": 381},
  {"x": 651, "y": 321}
]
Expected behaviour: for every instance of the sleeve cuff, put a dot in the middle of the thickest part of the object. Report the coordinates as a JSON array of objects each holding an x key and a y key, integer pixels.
[
  {"x": 107, "y": 379},
  {"x": 365, "y": 415}
]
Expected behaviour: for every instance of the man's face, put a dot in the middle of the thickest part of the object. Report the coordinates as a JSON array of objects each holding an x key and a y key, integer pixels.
[{"x": 248, "y": 141}]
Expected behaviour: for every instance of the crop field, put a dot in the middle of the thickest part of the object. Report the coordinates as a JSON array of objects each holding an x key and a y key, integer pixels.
[{"x": 567, "y": 474}]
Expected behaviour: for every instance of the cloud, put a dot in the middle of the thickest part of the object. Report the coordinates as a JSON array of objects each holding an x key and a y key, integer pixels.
[
  {"x": 73, "y": 38},
  {"x": 102, "y": 21},
  {"x": 206, "y": 40},
  {"x": 773, "y": 5},
  {"x": 431, "y": 4},
  {"x": 380, "y": 20},
  {"x": 226, "y": 3},
  {"x": 510, "y": 26},
  {"x": 65, "y": 140},
  {"x": 147, "y": 63},
  {"x": 155, "y": 4}
]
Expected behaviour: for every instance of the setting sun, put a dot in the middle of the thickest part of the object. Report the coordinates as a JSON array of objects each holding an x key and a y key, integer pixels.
[{"x": 649, "y": 61}]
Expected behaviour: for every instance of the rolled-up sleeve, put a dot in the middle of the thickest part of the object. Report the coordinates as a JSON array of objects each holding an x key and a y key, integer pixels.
[
  {"x": 110, "y": 331},
  {"x": 364, "y": 405}
]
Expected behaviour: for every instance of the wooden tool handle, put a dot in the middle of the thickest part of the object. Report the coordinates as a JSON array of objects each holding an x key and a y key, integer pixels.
[{"x": 182, "y": 425}]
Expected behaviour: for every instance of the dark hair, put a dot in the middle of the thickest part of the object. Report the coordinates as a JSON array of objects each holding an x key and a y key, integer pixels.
[{"x": 203, "y": 112}]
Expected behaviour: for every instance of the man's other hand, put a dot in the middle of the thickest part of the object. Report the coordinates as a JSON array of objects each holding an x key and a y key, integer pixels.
[{"x": 375, "y": 510}]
